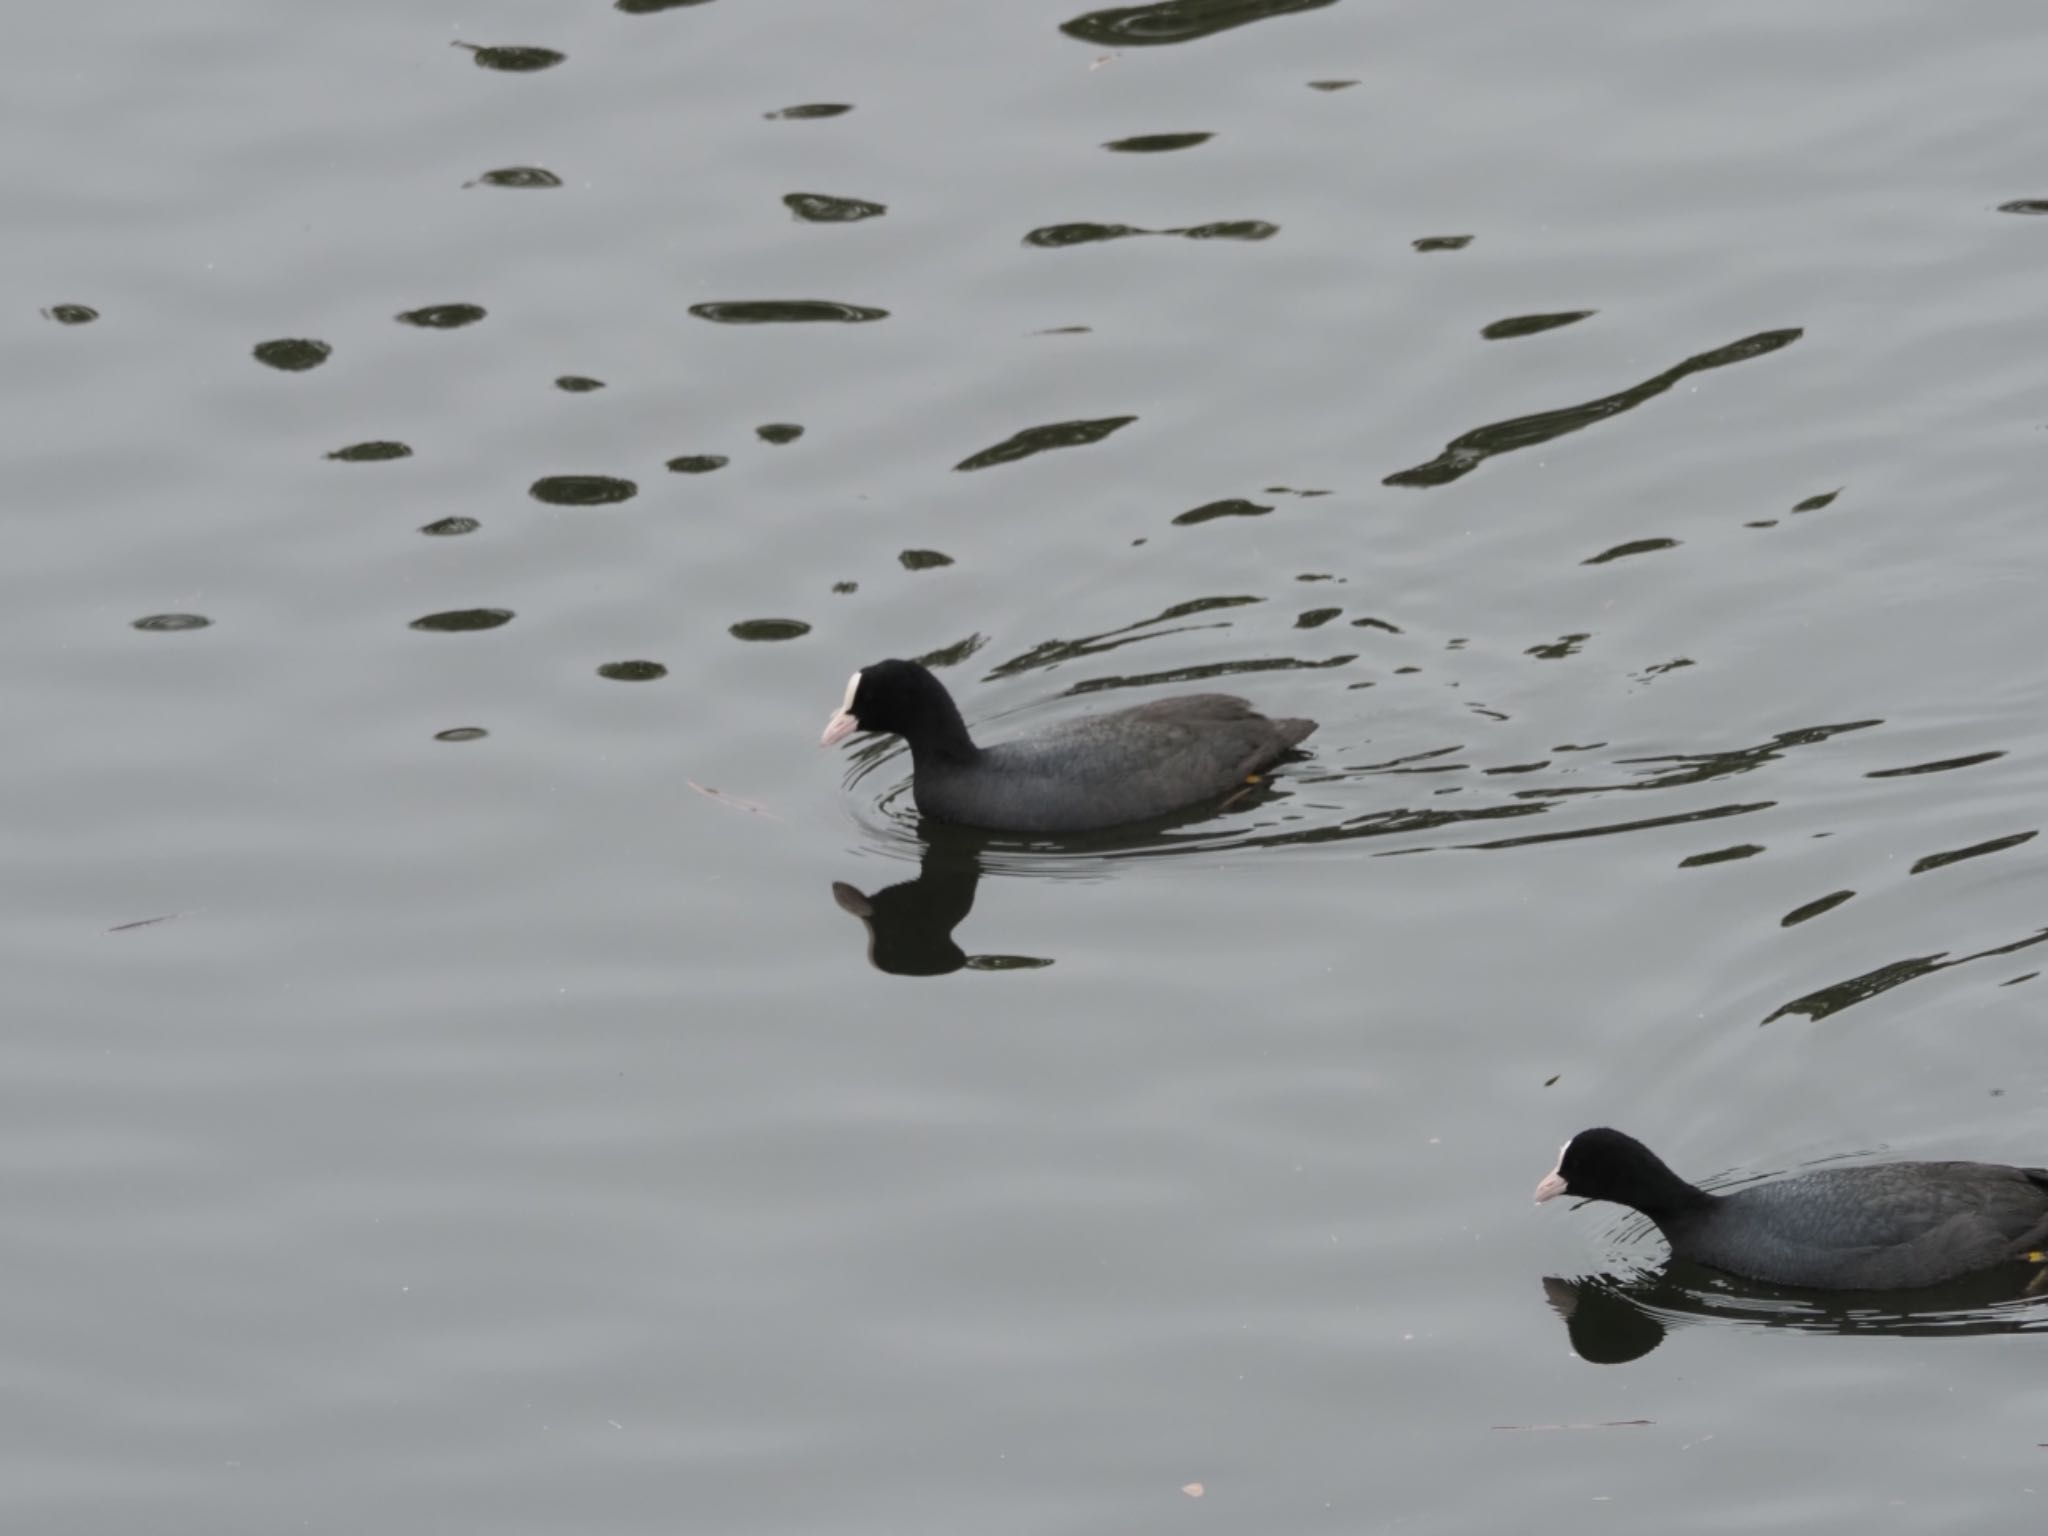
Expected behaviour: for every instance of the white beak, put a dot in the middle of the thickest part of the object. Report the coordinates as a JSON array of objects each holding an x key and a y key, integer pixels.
[
  {"x": 1551, "y": 1187},
  {"x": 842, "y": 725}
]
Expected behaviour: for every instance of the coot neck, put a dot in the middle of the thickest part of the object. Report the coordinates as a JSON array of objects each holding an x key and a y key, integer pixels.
[
  {"x": 939, "y": 735},
  {"x": 1665, "y": 1198}
]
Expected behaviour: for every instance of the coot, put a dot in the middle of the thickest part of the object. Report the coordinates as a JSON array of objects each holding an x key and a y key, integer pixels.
[
  {"x": 1883, "y": 1226},
  {"x": 1098, "y": 771}
]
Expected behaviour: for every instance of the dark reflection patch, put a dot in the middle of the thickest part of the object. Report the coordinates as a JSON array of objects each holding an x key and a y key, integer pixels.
[
  {"x": 1530, "y": 325},
  {"x": 1467, "y": 452},
  {"x": 1054, "y": 237},
  {"x": 172, "y": 623},
  {"x": 1209, "y": 672},
  {"x": 923, "y": 559},
  {"x": 698, "y": 463},
  {"x": 1721, "y": 855},
  {"x": 451, "y": 527},
  {"x": 1814, "y": 908},
  {"x": 784, "y": 312},
  {"x": 292, "y": 354},
  {"x": 1331, "y": 85},
  {"x": 1316, "y": 618},
  {"x": 1815, "y": 503},
  {"x": 1058, "y": 236},
  {"x": 1050, "y": 653},
  {"x": 1558, "y": 649},
  {"x": 524, "y": 177},
  {"x": 513, "y": 60},
  {"x": 1157, "y": 143},
  {"x": 633, "y": 671},
  {"x": 1943, "y": 765},
  {"x": 810, "y": 109},
  {"x": 650, "y": 7},
  {"x": 778, "y": 432},
  {"x": 582, "y": 490},
  {"x": 1228, "y": 229},
  {"x": 769, "y": 629},
  {"x": 371, "y": 453},
  {"x": 2033, "y": 205},
  {"x": 462, "y": 733},
  {"x": 461, "y": 620},
  {"x": 1633, "y": 547},
  {"x": 578, "y": 384},
  {"x": 817, "y": 208},
  {"x": 1974, "y": 851},
  {"x": 71, "y": 314},
  {"x": 1032, "y": 440},
  {"x": 952, "y": 655},
  {"x": 1208, "y": 512},
  {"x": 442, "y": 317},
  {"x": 1443, "y": 242},
  {"x": 1824, "y": 1001},
  {"x": 1178, "y": 21}
]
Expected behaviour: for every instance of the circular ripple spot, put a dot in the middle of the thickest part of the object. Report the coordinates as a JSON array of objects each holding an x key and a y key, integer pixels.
[
  {"x": 72, "y": 314},
  {"x": 461, "y": 620},
  {"x": 514, "y": 61},
  {"x": 519, "y": 176},
  {"x": 819, "y": 208},
  {"x": 462, "y": 733},
  {"x": 449, "y": 527},
  {"x": 292, "y": 354},
  {"x": 698, "y": 463},
  {"x": 779, "y": 432},
  {"x": 172, "y": 623},
  {"x": 442, "y": 317},
  {"x": 371, "y": 453},
  {"x": 582, "y": 490},
  {"x": 633, "y": 671},
  {"x": 769, "y": 629},
  {"x": 784, "y": 312}
]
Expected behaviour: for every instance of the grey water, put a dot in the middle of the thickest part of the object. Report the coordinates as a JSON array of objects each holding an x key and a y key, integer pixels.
[{"x": 472, "y": 1064}]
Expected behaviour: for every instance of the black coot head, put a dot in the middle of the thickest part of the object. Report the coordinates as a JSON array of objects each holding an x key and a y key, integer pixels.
[
  {"x": 898, "y": 698},
  {"x": 1606, "y": 1165}
]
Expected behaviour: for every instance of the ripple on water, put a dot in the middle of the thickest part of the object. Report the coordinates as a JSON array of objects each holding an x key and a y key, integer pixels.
[
  {"x": 371, "y": 452},
  {"x": 785, "y": 312},
  {"x": 1035, "y": 440},
  {"x": 462, "y": 733},
  {"x": 578, "y": 384},
  {"x": 818, "y": 208},
  {"x": 698, "y": 463},
  {"x": 172, "y": 623},
  {"x": 517, "y": 177},
  {"x": 1178, "y": 21},
  {"x": 512, "y": 60},
  {"x": 292, "y": 354},
  {"x": 809, "y": 110},
  {"x": 769, "y": 629},
  {"x": 1157, "y": 143},
  {"x": 450, "y": 527},
  {"x": 441, "y": 317},
  {"x": 633, "y": 671},
  {"x": 1531, "y": 325},
  {"x": 778, "y": 432},
  {"x": 582, "y": 490},
  {"x": 71, "y": 314},
  {"x": 456, "y": 621}
]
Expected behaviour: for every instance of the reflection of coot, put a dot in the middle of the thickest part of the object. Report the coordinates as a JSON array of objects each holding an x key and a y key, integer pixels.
[
  {"x": 1613, "y": 1320},
  {"x": 910, "y": 924}
]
